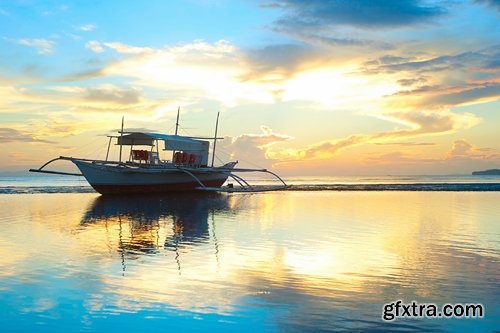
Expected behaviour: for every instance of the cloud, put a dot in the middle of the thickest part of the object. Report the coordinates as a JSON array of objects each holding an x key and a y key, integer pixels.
[
  {"x": 87, "y": 27},
  {"x": 470, "y": 94},
  {"x": 463, "y": 150},
  {"x": 69, "y": 99},
  {"x": 406, "y": 144},
  {"x": 100, "y": 98},
  {"x": 232, "y": 76},
  {"x": 440, "y": 81},
  {"x": 253, "y": 147},
  {"x": 59, "y": 126},
  {"x": 74, "y": 37},
  {"x": 482, "y": 60},
  {"x": 412, "y": 81},
  {"x": 329, "y": 148},
  {"x": 200, "y": 70},
  {"x": 98, "y": 47},
  {"x": 127, "y": 49},
  {"x": 322, "y": 23},
  {"x": 276, "y": 62},
  {"x": 9, "y": 135},
  {"x": 439, "y": 96},
  {"x": 462, "y": 153},
  {"x": 419, "y": 123},
  {"x": 224, "y": 73},
  {"x": 112, "y": 94},
  {"x": 94, "y": 46},
  {"x": 321, "y": 14},
  {"x": 331, "y": 39},
  {"x": 15, "y": 99},
  {"x": 398, "y": 157},
  {"x": 84, "y": 75},
  {"x": 43, "y": 46},
  {"x": 275, "y": 65},
  {"x": 495, "y": 4},
  {"x": 428, "y": 122}
]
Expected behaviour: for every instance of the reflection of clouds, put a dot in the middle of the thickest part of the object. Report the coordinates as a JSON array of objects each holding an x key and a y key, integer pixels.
[
  {"x": 375, "y": 248},
  {"x": 10, "y": 256},
  {"x": 307, "y": 302},
  {"x": 309, "y": 261}
]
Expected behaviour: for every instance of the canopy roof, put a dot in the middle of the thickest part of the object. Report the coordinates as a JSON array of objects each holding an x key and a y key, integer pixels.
[{"x": 172, "y": 142}]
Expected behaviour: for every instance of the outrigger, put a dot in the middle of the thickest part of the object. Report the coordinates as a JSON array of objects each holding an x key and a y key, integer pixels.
[{"x": 146, "y": 172}]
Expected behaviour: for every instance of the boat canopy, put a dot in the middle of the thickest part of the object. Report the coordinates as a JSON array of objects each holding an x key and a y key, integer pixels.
[{"x": 172, "y": 142}]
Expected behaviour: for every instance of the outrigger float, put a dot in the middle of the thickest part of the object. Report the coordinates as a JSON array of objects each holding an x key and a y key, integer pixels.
[{"x": 145, "y": 172}]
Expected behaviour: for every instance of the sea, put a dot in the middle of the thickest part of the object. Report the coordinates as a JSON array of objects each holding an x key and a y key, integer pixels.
[
  {"x": 328, "y": 254},
  {"x": 71, "y": 184}
]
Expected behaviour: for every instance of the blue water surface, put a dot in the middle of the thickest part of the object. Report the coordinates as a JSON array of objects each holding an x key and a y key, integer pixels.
[{"x": 289, "y": 261}]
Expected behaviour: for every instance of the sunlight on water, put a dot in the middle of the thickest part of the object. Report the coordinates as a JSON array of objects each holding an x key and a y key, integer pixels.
[{"x": 277, "y": 261}]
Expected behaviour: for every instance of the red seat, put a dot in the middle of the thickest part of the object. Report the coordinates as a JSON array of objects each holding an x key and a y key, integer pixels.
[
  {"x": 178, "y": 158},
  {"x": 140, "y": 155},
  {"x": 192, "y": 159},
  {"x": 185, "y": 158}
]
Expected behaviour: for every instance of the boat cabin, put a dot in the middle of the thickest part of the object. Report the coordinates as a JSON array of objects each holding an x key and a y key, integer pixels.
[{"x": 185, "y": 151}]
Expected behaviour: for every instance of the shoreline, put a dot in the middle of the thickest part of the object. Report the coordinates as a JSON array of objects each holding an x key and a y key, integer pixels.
[{"x": 402, "y": 187}]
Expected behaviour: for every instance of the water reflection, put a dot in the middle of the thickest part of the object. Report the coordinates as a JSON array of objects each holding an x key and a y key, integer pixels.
[
  {"x": 294, "y": 262},
  {"x": 144, "y": 221}
]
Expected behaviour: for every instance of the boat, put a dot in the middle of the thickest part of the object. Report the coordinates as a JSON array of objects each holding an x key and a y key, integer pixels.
[{"x": 146, "y": 171}]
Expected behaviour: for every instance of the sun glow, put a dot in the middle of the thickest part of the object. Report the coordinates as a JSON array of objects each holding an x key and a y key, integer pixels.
[
  {"x": 336, "y": 88},
  {"x": 206, "y": 74},
  {"x": 217, "y": 71}
]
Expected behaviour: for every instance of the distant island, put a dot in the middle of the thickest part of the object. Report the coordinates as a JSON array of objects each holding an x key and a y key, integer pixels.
[{"x": 491, "y": 172}]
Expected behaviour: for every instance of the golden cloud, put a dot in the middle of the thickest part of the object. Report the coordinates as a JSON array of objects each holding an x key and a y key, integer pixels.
[
  {"x": 463, "y": 150},
  {"x": 420, "y": 123}
]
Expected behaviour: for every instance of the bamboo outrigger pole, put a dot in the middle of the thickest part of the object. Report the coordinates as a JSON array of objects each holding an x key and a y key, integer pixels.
[{"x": 215, "y": 138}]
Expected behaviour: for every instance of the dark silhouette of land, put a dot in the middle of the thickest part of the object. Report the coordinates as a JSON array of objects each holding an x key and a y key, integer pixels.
[{"x": 490, "y": 172}]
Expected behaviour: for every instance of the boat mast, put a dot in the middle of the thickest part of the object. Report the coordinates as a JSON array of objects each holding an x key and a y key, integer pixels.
[
  {"x": 176, "y": 129},
  {"x": 109, "y": 146},
  {"x": 121, "y": 140},
  {"x": 215, "y": 138},
  {"x": 177, "y": 121}
]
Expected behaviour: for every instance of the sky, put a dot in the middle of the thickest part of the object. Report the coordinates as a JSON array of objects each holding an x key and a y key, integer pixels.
[{"x": 317, "y": 87}]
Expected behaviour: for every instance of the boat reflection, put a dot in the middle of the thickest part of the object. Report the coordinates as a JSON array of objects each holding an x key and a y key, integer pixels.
[{"x": 147, "y": 225}]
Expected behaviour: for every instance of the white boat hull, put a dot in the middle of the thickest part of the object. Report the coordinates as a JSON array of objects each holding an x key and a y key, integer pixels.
[{"x": 110, "y": 179}]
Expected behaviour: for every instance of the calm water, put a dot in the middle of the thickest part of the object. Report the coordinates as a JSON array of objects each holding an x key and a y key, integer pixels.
[
  {"x": 293, "y": 261},
  {"x": 34, "y": 183}
]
